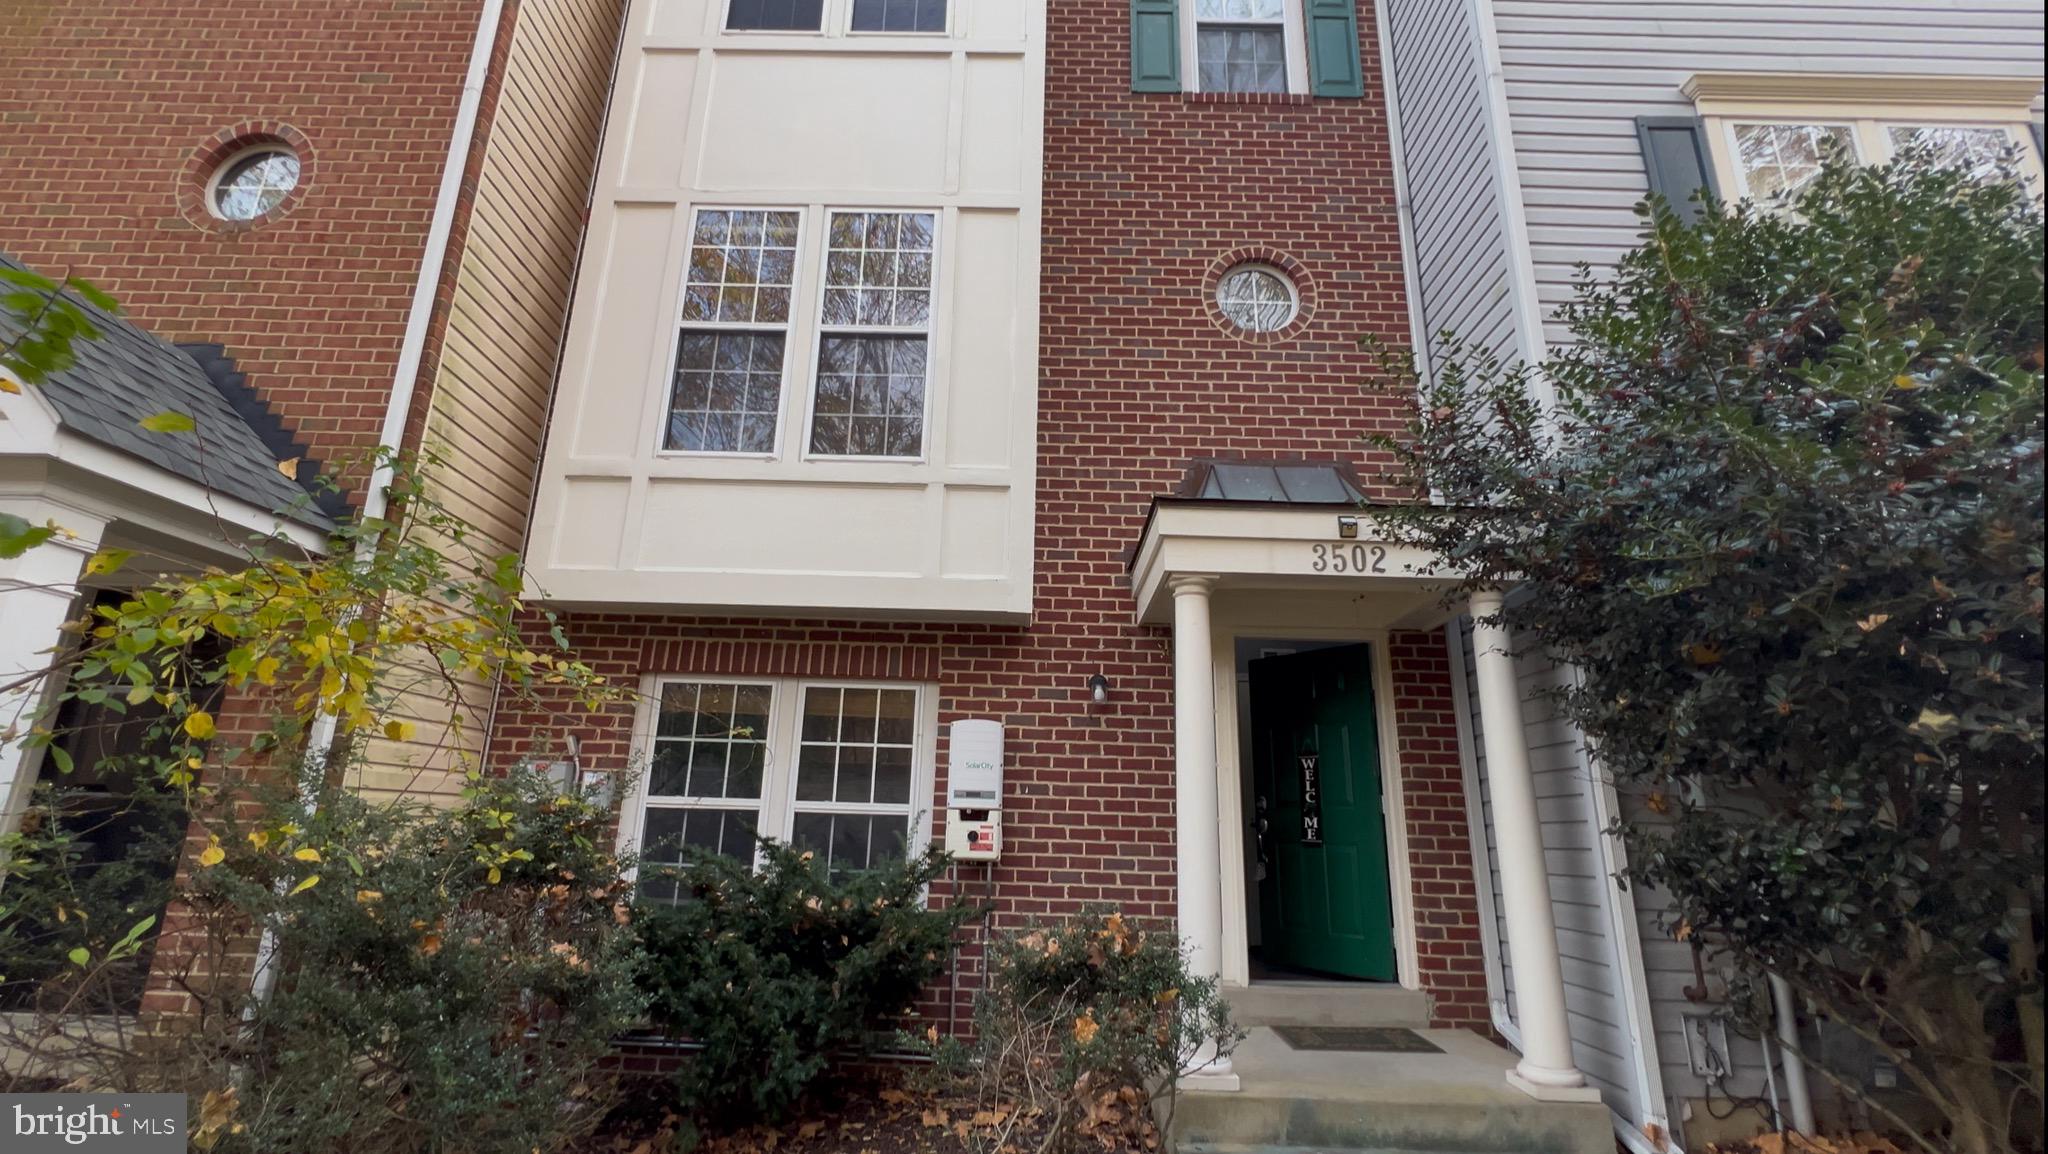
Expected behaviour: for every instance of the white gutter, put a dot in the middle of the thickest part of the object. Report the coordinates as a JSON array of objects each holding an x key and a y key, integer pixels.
[{"x": 405, "y": 380}]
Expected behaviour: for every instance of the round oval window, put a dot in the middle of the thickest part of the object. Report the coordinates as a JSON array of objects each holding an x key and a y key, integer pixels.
[
  {"x": 254, "y": 183},
  {"x": 1257, "y": 299}
]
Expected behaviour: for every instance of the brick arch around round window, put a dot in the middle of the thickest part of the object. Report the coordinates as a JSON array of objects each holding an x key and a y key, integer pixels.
[
  {"x": 1273, "y": 258},
  {"x": 195, "y": 180}
]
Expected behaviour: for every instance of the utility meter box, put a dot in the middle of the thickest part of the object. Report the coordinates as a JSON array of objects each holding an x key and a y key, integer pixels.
[{"x": 974, "y": 791}]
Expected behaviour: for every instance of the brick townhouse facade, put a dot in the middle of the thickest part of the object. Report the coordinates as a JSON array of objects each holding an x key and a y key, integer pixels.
[{"x": 1150, "y": 201}]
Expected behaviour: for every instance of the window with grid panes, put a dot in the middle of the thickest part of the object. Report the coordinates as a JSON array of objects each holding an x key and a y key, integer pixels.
[
  {"x": 775, "y": 15},
  {"x": 727, "y": 392},
  {"x": 831, "y": 768},
  {"x": 706, "y": 775},
  {"x": 899, "y": 15},
  {"x": 874, "y": 335},
  {"x": 1241, "y": 45},
  {"x": 855, "y": 754}
]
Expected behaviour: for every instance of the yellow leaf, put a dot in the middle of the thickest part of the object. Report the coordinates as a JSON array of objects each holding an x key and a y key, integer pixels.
[
  {"x": 1873, "y": 621},
  {"x": 266, "y": 670},
  {"x": 1902, "y": 381},
  {"x": 1085, "y": 1028},
  {"x": 305, "y": 884},
  {"x": 259, "y": 839},
  {"x": 1704, "y": 654},
  {"x": 212, "y": 855},
  {"x": 107, "y": 561},
  {"x": 366, "y": 897},
  {"x": 199, "y": 725},
  {"x": 168, "y": 422},
  {"x": 398, "y": 731},
  {"x": 289, "y": 467},
  {"x": 496, "y": 875},
  {"x": 306, "y": 854},
  {"x": 7, "y": 385}
]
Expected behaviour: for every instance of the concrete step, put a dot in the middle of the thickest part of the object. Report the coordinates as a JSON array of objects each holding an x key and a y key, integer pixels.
[
  {"x": 1327, "y": 1004},
  {"x": 1455, "y": 1101}
]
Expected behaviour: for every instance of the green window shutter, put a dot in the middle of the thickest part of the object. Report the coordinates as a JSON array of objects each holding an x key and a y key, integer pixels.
[
  {"x": 1675, "y": 156},
  {"x": 1155, "y": 45},
  {"x": 1333, "y": 66}
]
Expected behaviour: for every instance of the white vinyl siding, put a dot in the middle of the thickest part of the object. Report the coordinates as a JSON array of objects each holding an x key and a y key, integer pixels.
[
  {"x": 1459, "y": 232},
  {"x": 1578, "y": 73}
]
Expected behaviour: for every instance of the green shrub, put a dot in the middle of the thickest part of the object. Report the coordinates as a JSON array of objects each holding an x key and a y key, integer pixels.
[
  {"x": 1086, "y": 1023},
  {"x": 778, "y": 971},
  {"x": 450, "y": 979}
]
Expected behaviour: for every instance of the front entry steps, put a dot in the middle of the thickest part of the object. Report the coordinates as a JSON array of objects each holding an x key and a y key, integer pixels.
[
  {"x": 1344, "y": 1102},
  {"x": 1327, "y": 1004}
]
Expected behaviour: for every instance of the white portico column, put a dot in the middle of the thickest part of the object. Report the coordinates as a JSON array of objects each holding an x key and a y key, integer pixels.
[
  {"x": 37, "y": 590},
  {"x": 1546, "y": 1069},
  {"x": 1199, "y": 857}
]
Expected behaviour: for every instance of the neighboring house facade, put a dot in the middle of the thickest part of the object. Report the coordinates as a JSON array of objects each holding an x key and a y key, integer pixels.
[
  {"x": 1528, "y": 132},
  {"x": 373, "y": 246},
  {"x": 359, "y": 224}
]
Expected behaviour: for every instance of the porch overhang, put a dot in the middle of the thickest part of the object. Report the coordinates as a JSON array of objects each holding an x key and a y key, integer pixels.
[{"x": 1324, "y": 548}]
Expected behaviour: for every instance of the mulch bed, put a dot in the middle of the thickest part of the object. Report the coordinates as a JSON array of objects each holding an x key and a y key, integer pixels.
[{"x": 871, "y": 1115}]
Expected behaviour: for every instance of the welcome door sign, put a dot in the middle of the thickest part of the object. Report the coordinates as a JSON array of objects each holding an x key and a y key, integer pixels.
[{"x": 1311, "y": 797}]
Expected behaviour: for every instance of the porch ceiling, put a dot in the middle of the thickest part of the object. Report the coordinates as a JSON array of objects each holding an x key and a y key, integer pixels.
[{"x": 1283, "y": 548}]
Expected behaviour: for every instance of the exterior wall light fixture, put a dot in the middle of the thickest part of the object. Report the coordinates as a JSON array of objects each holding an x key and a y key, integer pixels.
[{"x": 1098, "y": 689}]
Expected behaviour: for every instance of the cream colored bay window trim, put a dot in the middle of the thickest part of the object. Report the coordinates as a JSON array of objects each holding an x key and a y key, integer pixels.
[{"x": 1868, "y": 105}]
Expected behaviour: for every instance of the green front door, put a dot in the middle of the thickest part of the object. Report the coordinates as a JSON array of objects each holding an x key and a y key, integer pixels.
[{"x": 1324, "y": 902}]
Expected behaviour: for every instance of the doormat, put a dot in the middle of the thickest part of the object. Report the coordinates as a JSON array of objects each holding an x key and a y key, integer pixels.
[{"x": 1357, "y": 1039}]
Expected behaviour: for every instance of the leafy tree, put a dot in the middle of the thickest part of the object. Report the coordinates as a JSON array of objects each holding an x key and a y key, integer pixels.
[{"x": 1784, "y": 518}]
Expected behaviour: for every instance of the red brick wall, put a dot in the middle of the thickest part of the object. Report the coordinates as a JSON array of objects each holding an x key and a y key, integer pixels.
[
  {"x": 107, "y": 104},
  {"x": 1147, "y": 199}
]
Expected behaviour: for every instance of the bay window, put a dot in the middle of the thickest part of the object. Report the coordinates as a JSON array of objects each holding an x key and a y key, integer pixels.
[{"x": 842, "y": 770}]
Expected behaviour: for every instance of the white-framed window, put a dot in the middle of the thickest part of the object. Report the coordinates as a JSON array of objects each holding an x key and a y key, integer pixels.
[
  {"x": 840, "y": 768},
  {"x": 252, "y": 183},
  {"x": 1771, "y": 156},
  {"x": 1258, "y": 298},
  {"x": 898, "y": 16},
  {"x": 869, "y": 391},
  {"x": 774, "y": 15},
  {"x": 1244, "y": 45},
  {"x": 732, "y": 344}
]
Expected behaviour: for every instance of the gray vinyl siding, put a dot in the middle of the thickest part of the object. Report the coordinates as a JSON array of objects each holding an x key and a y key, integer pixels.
[
  {"x": 1578, "y": 884},
  {"x": 1463, "y": 269},
  {"x": 1578, "y": 73}
]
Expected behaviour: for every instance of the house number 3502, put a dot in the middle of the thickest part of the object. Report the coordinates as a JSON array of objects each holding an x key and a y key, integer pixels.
[{"x": 1349, "y": 559}]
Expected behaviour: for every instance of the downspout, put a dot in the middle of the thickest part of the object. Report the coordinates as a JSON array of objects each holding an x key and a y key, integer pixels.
[
  {"x": 1798, "y": 1097},
  {"x": 405, "y": 379}
]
